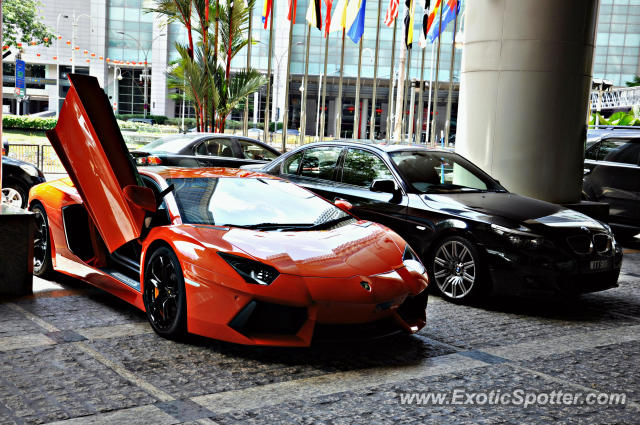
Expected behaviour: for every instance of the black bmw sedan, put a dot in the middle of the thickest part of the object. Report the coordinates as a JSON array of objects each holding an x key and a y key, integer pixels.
[
  {"x": 205, "y": 150},
  {"x": 17, "y": 178},
  {"x": 472, "y": 234}
]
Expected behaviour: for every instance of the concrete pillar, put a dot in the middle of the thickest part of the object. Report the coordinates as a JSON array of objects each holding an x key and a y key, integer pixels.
[
  {"x": 159, "y": 102},
  {"x": 98, "y": 41},
  {"x": 525, "y": 80},
  {"x": 364, "y": 114}
]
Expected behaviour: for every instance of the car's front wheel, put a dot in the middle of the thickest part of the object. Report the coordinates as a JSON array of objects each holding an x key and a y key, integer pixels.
[
  {"x": 164, "y": 294},
  {"x": 15, "y": 195},
  {"x": 455, "y": 268},
  {"x": 42, "y": 264}
]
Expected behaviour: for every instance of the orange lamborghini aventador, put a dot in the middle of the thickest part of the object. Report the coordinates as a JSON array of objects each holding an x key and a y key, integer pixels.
[{"x": 224, "y": 253}]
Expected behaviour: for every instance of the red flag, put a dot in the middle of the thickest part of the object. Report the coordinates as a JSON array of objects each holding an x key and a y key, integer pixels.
[
  {"x": 266, "y": 11},
  {"x": 392, "y": 12},
  {"x": 327, "y": 21},
  {"x": 292, "y": 10}
]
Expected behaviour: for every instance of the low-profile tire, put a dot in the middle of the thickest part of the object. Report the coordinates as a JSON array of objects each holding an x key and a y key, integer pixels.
[
  {"x": 42, "y": 263},
  {"x": 15, "y": 194},
  {"x": 164, "y": 294},
  {"x": 454, "y": 266}
]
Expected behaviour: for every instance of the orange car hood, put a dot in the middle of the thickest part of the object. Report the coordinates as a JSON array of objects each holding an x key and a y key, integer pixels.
[{"x": 358, "y": 249}]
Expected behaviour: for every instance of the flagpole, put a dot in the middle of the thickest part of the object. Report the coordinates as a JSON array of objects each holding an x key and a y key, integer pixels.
[
  {"x": 427, "y": 132},
  {"x": 411, "y": 111},
  {"x": 356, "y": 111},
  {"x": 303, "y": 110},
  {"x": 391, "y": 81},
  {"x": 285, "y": 118},
  {"x": 435, "y": 95},
  {"x": 245, "y": 124},
  {"x": 405, "y": 89},
  {"x": 266, "y": 107},
  {"x": 375, "y": 76},
  {"x": 324, "y": 86},
  {"x": 339, "y": 103},
  {"x": 420, "y": 98},
  {"x": 447, "y": 125}
]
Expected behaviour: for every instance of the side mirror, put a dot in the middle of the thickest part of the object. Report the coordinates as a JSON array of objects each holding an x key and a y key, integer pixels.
[
  {"x": 384, "y": 186},
  {"x": 586, "y": 171},
  {"x": 141, "y": 197},
  {"x": 343, "y": 205}
]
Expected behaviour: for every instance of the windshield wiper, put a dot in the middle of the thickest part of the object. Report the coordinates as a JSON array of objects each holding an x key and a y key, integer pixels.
[
  {"x": 451, "y": 188},
  {"x": 270, "y": 226},
  {"x": 330, "y": 223}
]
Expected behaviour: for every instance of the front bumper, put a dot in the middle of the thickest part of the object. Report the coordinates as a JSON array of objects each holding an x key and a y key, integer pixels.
[
  {"x": 291, "y": 310},
  {"x": 551, "y": 271}
]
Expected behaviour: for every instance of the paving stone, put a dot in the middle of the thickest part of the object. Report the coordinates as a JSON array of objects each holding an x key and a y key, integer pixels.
[
  {"x": 204, "y": 366},
  {"x": 381, "y": 405},
  {"x": 83, "y": 311},
  {"x": 51, "y": 383}
]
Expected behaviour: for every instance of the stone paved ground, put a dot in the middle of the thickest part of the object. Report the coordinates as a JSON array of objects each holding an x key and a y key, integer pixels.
[{"x": 73, "y": 354}]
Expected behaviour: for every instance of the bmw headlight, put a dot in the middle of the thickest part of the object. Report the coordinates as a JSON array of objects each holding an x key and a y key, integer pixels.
[
  {"x": 411, "y": 261},
  {"x": 614, "y": 244},
  {"x": 519, "y": 238},
  {"x": 250, "y": 270},
  {"x": 30, "y": 169}
]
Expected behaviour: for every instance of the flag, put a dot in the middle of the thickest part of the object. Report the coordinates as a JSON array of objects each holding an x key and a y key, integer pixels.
[
  {"x": 266, "y": 11},
  {"x": 353, "y": 8},
  {"x": 408, "y": 22},
  {"x": 327, "y": 22},
  {"x": 357, "y": 28},
  {"x": 450, "y": 10},
  {"x": 314, "y": 16},
  {"x": 339, "y": 18},
  {"x": 392, "y": 12},
  {"x": 426, "y": 23},
  {"x": 292, "y": 10}
]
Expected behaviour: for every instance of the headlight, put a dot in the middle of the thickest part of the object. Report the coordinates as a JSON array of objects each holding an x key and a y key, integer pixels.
[
  {"x": 519, "y": 238},
  {"x": 251, "y": 271},
  {"x": 30, "y": 169},
  {"x": 411, "y": 261}
]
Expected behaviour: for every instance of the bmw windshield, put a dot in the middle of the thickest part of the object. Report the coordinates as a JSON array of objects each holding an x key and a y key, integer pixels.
[
  {"x": 169, "y": 144},
  {"x": 441, "y": 172},
  {"x": 254, "y": 203}
]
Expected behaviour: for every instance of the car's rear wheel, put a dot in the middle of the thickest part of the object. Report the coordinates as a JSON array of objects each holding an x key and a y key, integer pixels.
[
  {"x": 455, "y": 268},
  {"x": 164, "y": 294},
  {"x": 42, "y": 264},
  {"x": 15, "y": 195}
]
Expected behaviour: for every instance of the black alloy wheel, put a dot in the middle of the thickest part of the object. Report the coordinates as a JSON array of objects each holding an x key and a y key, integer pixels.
[
  {"x": 455, "y": 267},
  {"x": 164, "y": 294},
  {"x": 42, "y": 264}
]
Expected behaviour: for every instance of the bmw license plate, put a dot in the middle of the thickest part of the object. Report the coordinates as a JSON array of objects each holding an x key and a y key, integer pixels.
[{"x": 595, "y": 265}]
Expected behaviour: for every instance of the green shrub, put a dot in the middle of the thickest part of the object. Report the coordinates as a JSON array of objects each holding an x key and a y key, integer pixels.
[
  {"x": 160, "y": 119},
  {"x": 188, "y": 122},
  {"x": 28, "y": 123}
]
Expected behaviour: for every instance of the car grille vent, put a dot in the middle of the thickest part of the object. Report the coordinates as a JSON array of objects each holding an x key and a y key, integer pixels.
[
  {"x": 601, "y": 243},
  {"x": 580, "y": 244},
  {"x": 586, "y": 244}
]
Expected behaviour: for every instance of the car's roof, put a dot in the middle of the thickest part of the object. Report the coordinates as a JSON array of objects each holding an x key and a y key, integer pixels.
[
  {"x": 210, "y": 172},
  {"x": 385, "y": 145}
]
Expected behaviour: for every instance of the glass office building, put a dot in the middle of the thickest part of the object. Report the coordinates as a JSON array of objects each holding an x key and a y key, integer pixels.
[
  {"x": 617, "y": 55},
  {"x": 121, "y": 29}
]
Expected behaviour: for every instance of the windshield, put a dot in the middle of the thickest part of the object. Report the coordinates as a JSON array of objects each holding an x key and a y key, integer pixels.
[
  {"x": 434, "y": 172},
  {"x": 170, "y": 144},
  {"x": 258, "y": 203}
]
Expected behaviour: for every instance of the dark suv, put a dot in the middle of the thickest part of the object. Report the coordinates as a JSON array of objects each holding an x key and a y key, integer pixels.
[{"x": 612, "y": 175}]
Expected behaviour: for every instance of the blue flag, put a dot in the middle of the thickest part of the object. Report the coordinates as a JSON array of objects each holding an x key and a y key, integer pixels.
[{"x": 357, "y": 28}]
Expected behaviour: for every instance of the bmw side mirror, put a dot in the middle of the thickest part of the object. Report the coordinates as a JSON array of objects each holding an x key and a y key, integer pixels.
[{"x": 384, "y": 186}]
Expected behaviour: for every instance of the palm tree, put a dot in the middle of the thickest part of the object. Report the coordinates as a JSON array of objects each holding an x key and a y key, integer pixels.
[{"x": 203, "y": 70}]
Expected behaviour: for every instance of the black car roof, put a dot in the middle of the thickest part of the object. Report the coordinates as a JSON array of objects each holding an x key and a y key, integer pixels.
[{"x": 385, "y": 145}]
